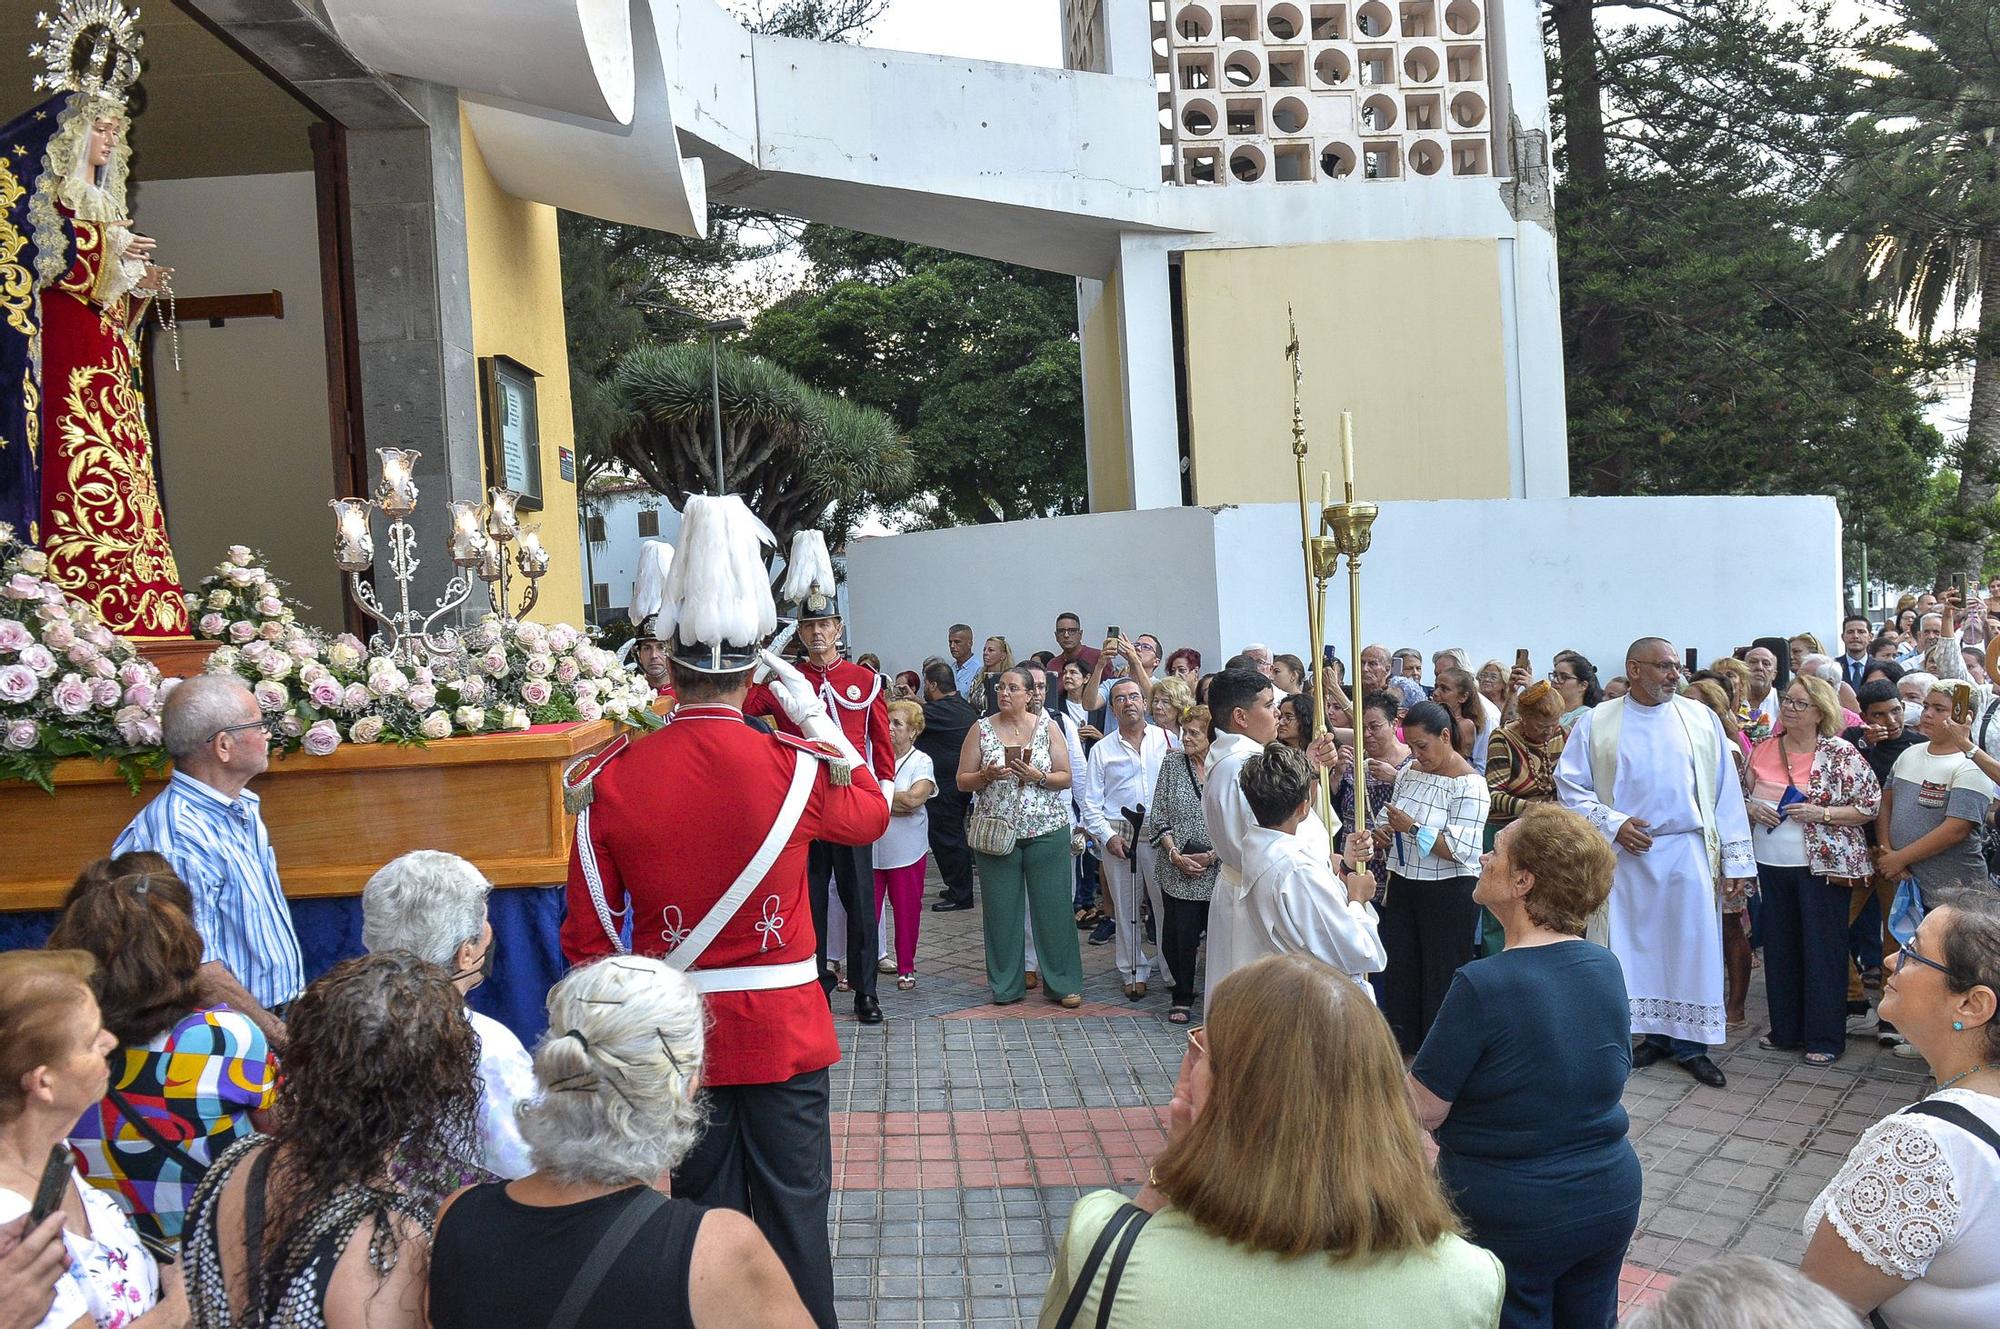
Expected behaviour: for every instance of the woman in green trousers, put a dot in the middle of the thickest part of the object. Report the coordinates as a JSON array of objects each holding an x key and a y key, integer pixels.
[{"x": 1016, "y": 771}]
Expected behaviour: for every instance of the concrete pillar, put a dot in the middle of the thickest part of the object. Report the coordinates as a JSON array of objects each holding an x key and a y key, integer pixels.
[
  {"x": 1146, "y": 359},
  {"x": 413, "y": 307}
]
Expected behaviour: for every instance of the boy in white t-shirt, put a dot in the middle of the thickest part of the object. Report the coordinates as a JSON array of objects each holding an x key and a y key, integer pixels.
[{"x": 1933, "y": 806}]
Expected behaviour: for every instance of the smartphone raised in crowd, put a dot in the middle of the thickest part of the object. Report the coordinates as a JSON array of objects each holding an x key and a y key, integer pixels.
[
  {"x": 1113, "y": 633},
  {"x": 1521, "y": 658},
  {"x": 1961, "y": 703},
  {"x": 49, "y": 1194}
]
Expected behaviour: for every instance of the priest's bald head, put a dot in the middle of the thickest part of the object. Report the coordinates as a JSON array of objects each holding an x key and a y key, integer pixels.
[{"x": 1652, "y": 670}]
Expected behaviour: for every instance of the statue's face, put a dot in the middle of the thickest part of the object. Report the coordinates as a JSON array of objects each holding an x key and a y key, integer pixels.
[{"x": 103, "y": 141}]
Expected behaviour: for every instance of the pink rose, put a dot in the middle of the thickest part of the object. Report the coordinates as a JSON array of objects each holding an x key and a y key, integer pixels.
[
  {"x": 472, "y": 689},
  {"x": 325, "y": 693},
  {"x": 71, "y": 696},
  {"x": 536, "y": 692},
  {"x": 270, "y": 606},
  {"x": 271, "y": 697},
  {"x": 17, "y": 684},
  {"x": 566, "y": 670},
  {"x": 435, "y": 725},
  {"x": 139, "y": 694},
  {"x": 59, "y": 636},
  {"x": 104, "y": 691},
  {"x": 134, "y": 671},
  {"x": 301, "y": 648},
  {"x": 102, "y": 667},
  {"x": 562, "y": 636},
  {"x": 588, "y": 709},
  {"x": 238, "y": 575},
  {"x": 81, "y": 654},
  {"x": 322, "y": 739},
  {"x": 242, "y": 630},
  {"x": 540, "y": 666},
  {"x": 100, "y": 636},
  {"x": 22, "y": 735},
  {"x": 39, "y": 659},
  {"x": 291, "y": 726},
  {"x": 14, "y": 635},
  {"x": 494, "y": 664},
  {"x": 274, "y": 665},
  {"x": 21, "y": 586},
  {"x": 137, "y": 727},
  {"x": 422, "y": 696},
  {"x": 271, "y": 631},
  {"x": 355, "y": 697}
]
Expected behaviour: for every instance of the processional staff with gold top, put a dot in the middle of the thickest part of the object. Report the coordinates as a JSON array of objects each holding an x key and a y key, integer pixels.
[{"x": 1344, "y": 529}]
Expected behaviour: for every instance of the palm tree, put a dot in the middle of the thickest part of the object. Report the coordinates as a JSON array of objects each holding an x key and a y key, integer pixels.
[
  {"x": 798, "y": 457},
  {"x": 1921, "y": 183}
]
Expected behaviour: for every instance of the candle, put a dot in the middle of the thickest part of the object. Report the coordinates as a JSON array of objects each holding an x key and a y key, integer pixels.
[
  {"x": 398, "y": 491},
  {"x": 354, "y": 547},
  {"x": 501, "y": 523},
  {"x": 466, "y": 538},
  {"x": 1326, "y": 489},
  {"x": 1347, "y": 451},
  {"x": 534, "y": 559}
]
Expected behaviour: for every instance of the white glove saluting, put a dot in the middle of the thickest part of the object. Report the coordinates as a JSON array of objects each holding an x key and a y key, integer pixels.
[{"x": 800, "y": 699}]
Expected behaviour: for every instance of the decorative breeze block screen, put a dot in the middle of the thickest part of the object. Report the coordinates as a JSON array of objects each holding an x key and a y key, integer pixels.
[{"x": 1296, "y": 91}]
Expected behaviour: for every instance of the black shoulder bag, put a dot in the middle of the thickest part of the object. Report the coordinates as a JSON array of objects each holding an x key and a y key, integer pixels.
[{"x": 1123, "y": 1228}]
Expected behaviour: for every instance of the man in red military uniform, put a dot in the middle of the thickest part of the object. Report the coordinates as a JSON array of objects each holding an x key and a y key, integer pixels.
[
  {"x": 718, "y": 889},
  {"x": 853, "y": 696}
]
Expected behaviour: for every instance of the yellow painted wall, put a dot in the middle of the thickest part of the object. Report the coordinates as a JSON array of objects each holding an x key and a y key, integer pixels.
[
  {"x": 517, "y": 311},
  {"x": 1104, "y": 404},
  {"x": 1406, "y": 334}
]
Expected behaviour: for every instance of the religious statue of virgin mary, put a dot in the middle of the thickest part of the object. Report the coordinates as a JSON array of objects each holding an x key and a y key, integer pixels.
[{"x": 76, "y": 460}]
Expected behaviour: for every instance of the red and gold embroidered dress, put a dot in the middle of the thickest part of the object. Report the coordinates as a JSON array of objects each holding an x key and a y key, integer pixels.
[{"x": 101, "y": 523}]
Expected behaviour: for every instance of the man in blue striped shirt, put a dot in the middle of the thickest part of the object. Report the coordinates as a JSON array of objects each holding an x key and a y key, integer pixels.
[{"x": 206, "y": 823}]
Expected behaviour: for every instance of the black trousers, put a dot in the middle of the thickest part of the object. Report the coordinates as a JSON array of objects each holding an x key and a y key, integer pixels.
[
  {"x": 1428, "y": 929},
  {"x": 948, "y": 848},
  {"x": 852, "y": 870},
  {"x": 1180, "y": 937},
  {"x": 768, "y": 1152},
  {"x": 1805, "y": 958}
]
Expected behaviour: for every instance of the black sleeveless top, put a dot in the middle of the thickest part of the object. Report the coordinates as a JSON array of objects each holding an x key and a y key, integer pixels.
[{"x": 499, "y": 1264}]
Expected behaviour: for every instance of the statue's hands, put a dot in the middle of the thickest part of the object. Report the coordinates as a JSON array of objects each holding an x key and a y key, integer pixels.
[{"x": 155, "y": 279}]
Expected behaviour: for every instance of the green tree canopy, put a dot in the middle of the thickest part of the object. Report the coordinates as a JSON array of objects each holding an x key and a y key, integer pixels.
[
  {"x": 798, "y": 457},
  {"x": 976, "y": 361}
]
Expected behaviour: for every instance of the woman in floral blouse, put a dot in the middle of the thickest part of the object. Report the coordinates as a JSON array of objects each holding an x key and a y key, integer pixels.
[
  {"x": 1520, "y": 772},
  {"x": 1811, "y": 792}
]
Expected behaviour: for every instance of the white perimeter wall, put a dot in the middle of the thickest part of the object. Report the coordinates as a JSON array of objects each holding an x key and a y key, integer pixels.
[
  {"x": 244, "y": 444},
  {"x": 1490, "y": 576}
]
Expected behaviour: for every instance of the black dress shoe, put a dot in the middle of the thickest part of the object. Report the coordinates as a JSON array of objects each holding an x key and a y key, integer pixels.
[
  {"x": 867, "y": 1010},
  {"x": 950, "y": 906},
  {"x": 1646, "y": 1054},
  {"x": 1706, "y": 1071}
]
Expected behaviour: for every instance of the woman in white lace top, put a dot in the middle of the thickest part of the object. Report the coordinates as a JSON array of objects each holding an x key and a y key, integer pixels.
[{"x": 1909, "y": 1229}]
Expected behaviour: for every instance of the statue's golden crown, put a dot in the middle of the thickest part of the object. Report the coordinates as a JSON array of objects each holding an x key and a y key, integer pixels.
[{"x": 88, "y": 46}]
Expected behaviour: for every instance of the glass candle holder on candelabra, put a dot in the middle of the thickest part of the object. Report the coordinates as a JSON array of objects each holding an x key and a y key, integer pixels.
[
  {"x": 405, "y": 633},
  {"x": 497, "y": 569}
]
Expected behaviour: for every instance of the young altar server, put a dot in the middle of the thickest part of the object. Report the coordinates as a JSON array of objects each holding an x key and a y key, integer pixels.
[{"x": 1293, "y": 903}]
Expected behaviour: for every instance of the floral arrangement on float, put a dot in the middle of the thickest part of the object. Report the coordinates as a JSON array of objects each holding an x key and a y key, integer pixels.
[
  {"x": 328, "y": 690},
  {"x": 69, "y": 686}
]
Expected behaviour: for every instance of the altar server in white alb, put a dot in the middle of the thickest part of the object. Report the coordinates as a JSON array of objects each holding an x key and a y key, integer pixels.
[
  {"x": 1294, "y": 904},
  {"x": 1246, "y": 718},
  {"x": 1653, "y": 773}
]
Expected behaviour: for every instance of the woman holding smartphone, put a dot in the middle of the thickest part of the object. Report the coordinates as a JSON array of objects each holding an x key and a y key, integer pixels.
[{"x": 1017, "y": 769}]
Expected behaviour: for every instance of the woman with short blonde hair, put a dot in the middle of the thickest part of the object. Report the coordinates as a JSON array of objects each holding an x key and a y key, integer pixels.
[
  {"x": 1522, "y": 1076},
  {"x": 1810, "y": 794},
  {"x": 1294, "y": 1179}
]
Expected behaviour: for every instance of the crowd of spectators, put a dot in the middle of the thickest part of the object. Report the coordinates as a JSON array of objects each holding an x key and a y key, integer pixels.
[{"x": 253, "y": 1144}]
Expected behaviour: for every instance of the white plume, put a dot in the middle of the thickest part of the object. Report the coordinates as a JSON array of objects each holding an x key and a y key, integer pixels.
[
  {"x": 809, "y": 568},
  {"x": 718, "y": 591},
  {"x": 656, "y": 558}
]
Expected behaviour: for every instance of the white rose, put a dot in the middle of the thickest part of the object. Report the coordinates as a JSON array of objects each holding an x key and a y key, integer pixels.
[
  {"x": 566, "y": 670},
  {"x": 270, "y": 606},
  {"x": 588, "y": 709},
  {"x": 271, "y": 631},
  {"x": 562, "y": 637},
  {"x": 469, "y": 718},
  {"x": 238, "y": 576},
  {"x": 356, "y": 696},
  {"x": 17, "y": 684},
  {"x": 422, "y": 696},
  {"x": 536, "y": 692},
  {"x": 58, "y": 636},
  {"x": 367, "y": 729},
  {"x": 301, "y": 648},
  {"x": 275, "y": 665},
  {"x": 344, "y": 655},
  {"x": 322, "y": 739},
  {"x": 271, "y": 697},
  {"x": 472, "y": 689},
  {"x": 239, "y": 555},
  {"x": 35, "y": 561},
  {"x": 242, "y": 630},
  {"x": 435, "y": 725},
  {"x": 540, "y": 666},
  {"x": 516, "y": 718},
  {"x": 223, "y": 660},
  {"x": 218, "y": 599},
  {"x": 82, "y": 655}
]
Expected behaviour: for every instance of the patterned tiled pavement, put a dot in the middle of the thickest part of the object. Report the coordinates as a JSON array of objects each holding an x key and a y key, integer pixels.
[{"x": 963, "y": 1132}]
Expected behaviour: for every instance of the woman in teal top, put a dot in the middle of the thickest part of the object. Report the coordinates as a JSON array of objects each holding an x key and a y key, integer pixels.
[{"x": 1293, "y": 1190}]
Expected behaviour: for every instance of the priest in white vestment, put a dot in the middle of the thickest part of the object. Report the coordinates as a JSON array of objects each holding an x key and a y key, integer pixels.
[
  {"x": 1246, "y": 718},
  {"x": 1653, "y": 773}
]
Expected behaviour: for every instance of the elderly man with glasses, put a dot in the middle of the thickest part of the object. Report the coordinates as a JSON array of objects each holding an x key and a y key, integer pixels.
[{"x": 207, "y": 823}]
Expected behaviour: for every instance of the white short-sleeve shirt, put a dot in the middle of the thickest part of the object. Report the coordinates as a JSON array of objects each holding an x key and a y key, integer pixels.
[
  {"x": 908, "y": 838},
  {"x": 1919, "y": 1198}
]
